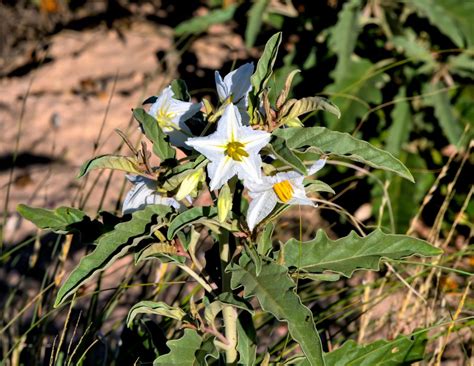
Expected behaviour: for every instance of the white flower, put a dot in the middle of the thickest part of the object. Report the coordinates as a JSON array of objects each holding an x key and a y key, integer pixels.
[
  {"x": 232, "y": 149},
  {"x": 171, "y": 114},
  {"x": 144, "y": 193},
  {"x": 236, "y": 86},
  {"x": 283, "y": 187}
]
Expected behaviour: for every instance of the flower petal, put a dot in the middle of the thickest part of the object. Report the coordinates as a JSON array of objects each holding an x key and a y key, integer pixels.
[
  {"x": 316, "y": 166},
  {"x": 230, "y": 123},
  {"x": 222, "y": 90},
  {"x": 238, "y": 81},
  {"x": 250, "y": 168},
  {"x": 260, "y": 207},
  {"x": 252, "y": 139},
  {"x": 220, "y": 172}
]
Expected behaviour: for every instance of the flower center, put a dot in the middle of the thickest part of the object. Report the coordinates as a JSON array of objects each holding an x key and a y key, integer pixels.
[
  {"x": 164, "y": 120},
  {"x": 236, "y": 151},
  {"x": 284, "y": 190}
]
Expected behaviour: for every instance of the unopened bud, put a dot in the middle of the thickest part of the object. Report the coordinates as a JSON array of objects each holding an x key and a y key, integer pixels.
[
  {"x": 224, "y": 203},
  {"x": 189, "y": 184}
]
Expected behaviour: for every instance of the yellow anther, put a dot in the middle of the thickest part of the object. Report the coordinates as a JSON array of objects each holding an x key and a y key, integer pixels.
[
  {"x": 284, "y": 190},
  {"x": 164, "y": 119},
  {"x": 236, "y": 151}
]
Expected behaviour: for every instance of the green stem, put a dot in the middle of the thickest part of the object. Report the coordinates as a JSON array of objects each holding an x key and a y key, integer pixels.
[{"x": 228, "y": 312}]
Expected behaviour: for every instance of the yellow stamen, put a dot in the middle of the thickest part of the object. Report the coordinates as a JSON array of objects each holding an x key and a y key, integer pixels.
[
  {"x": 236, "y": 150},
  {"x": 164, "y": 119},
  {"x": 284, "y": 190}
]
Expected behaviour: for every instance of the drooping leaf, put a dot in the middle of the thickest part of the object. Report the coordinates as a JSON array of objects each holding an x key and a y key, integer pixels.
[
  {"x": 60, "y": 220},
  {"x": 352, "y": 252},
  {"x": 401, "y": 351},
  {"x": 265, "y": 64},
  {"x": 317, "y": 186},
  {"x": 342, "y": 145},
  {"x": 344, "y": 36},
  {"x": 110, "y": 247},
  {"x": 188, "y": 217},
  {"x": 309, "y": 104},
  {"x": 279, "y": 298},
  {"x": 182, "y": 350},
  {"x": 354, "y": 92},
  {"x": 200, "y": 24},
  {"x": 281, "y": 152},
  {"x": 154, "y": 307},
  {"x": 153, "y": 131},
  {"x": 114, "y": 162},
  {"x": 254, "y": 21}
]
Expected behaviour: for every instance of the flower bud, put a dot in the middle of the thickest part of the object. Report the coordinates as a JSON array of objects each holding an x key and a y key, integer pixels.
[
  {"x": 224, "y": 203},
  {"x": 189, "y": 183}
]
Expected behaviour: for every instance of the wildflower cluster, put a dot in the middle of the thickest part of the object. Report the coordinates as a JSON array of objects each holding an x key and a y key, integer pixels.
[{"x": 236, "y": 148}]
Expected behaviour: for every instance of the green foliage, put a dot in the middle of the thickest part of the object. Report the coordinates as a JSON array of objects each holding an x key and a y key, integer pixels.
[
  {"x": 182, "y": 350},
  {"x": 200, "y": 24},
  {"x": 342, "y": 145},
  {"x": 60, "y": 220},
  {"x": 401, "y": 351},
  {"x": 279, "y": 298},
  {"x": 280, "y": 150},
  {"x": 153, "y": 132},
  {"x": 112, "y": 246},
  {"x": 114, "y": 162},
  {"x": 254, "y": 22},
  {"x": 154, "y": 307},
  {"x": 352, "y": 252}
]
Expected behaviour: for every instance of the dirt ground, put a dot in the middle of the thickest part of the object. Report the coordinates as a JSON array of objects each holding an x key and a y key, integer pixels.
[{"x": 65, "y": 110}]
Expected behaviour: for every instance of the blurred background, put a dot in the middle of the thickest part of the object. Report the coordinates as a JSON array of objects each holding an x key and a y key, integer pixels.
[{"x": 400, "y": 71}]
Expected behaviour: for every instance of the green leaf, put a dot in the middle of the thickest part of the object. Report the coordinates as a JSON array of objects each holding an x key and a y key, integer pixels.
[
  {"x": 343, "y": 37},
  {"x": 115, "y": 162},
  {"x": 450, "y": 125},
  {"x": 60, "y": 220},
  {"x": 200, "y": 24},
  {"x": 182, "y": 350},
  {"x": 264, "y": 240},
  {"x": 452, "y": 17},
  {"x": 401, "y": 351},
  {"x": 343, "y": 145},
  {"x": 400, "y": 128},
  {"x": 352, "y": 252},
  {"x": 281, "y": 151},
  {"x": 173, "y": 177},
  {"x": 353, "y": 92},
  {"x": 279, "y": 298},
  {"x": 188, "y": 217},
  {"x": 180, "y": 90},
  {"x": 254, "y": 21},
  {"x": 246, "y": 340},
  {"x": 153, "y": 307},
  {"x": 161, "y": 146},
  {"x": 110, "y": 247},
  {"x": 309, "y": 104},
  {"x": 317, "y": 186},
  {"x": 265, "y": 64}
]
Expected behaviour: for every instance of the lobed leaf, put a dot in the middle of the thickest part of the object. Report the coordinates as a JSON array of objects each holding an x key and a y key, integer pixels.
[
  {"x": 343, "y": 145},
  {"x": 60, "y": 220},
  {"x": 153, "y": 131},
  {"x": 154, "y": 307},
  {"x": 114, "y": 162},
  {"x": 279, "y": 298},
  {"x": 401, "y": 351},
  {"x": 343, "y": 36},
  {"x": 110, "y": 247},
  {"x": 182, "y": 350},
  {"x": 352, "y": 252}
]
